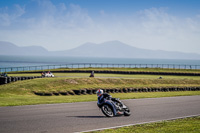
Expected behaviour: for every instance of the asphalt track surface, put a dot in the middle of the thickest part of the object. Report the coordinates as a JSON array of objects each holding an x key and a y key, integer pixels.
[{"x": 84, "y": 116}]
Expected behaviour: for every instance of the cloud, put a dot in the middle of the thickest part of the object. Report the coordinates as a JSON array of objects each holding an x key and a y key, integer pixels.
[
  {"x": 155, "y": 28},
  {"x": 60, "y": 16},
  {"x": 60, "y": 26},
  {"x": 7, "y": 16}
]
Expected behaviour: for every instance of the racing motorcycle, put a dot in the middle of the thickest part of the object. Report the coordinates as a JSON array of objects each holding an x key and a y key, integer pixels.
[{"x": 113, "y": 107}]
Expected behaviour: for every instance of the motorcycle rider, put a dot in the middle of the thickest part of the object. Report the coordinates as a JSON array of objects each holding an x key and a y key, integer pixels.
[{"x": 101, "y": 95}]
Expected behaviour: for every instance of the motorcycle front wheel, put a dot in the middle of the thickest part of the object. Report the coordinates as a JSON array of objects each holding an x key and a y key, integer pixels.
[
  {"x": 127, "y": 112},
  {"x": 107, "y": 110}
]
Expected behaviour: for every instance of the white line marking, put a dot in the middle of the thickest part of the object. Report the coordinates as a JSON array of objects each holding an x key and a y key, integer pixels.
[{"x": 137, "y": 124}]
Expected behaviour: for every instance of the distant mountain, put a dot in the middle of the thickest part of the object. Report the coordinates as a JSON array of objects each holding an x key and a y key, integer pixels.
[
  {"x": 7, "y": 48},
  {"x": 117, "y": 49},
  {"x": 112, "y": 49}
]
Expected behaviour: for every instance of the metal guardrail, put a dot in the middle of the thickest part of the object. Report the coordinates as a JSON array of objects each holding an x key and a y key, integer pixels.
[{"x": 98, "y": 65}]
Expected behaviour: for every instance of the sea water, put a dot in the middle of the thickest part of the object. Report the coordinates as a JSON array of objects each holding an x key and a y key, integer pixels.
[{"x": 21, "y": 61}]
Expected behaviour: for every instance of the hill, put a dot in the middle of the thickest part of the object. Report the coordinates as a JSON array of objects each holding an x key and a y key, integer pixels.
[
  {"x": 8, "y": 48},
  {"x": 117, "y": 49},
  {"x": 111, "y": 49}
]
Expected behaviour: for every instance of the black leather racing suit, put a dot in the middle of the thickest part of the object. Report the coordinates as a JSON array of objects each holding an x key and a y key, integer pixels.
[
  {"x": 101, "y": 98},
  {"x": 106, "y": 95}
]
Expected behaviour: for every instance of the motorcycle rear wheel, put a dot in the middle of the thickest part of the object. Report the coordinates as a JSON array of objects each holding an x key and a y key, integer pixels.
[{"x": 107, "y": 110}]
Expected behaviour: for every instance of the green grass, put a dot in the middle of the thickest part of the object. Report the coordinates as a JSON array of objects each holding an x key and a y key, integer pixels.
[
  {"x": 24, "y": 74},
  {"x": 143, "y": 69},
  {"x": 186, "y": 125},
  {"x": 21, "y": 92},
  {"x": 67, "y": 84},
  {"x": 31, "y": 99},
  {"x": 133, "y": 76},
  {"x": 127, "y": 69}
]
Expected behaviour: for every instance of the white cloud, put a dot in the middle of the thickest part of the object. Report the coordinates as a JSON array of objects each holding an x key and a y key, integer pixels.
[
  {"x": 10, "y": 16},
  {"x": 59, "y": 27},
  {"x": 156, "y": 29}
]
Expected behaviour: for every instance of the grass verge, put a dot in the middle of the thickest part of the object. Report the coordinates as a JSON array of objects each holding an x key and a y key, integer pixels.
[
  {"x": 124, "y": 69},
  {"x": 31, "y": 99},
  {"x": 186, "y": 125},
  {"x": 26, "y": 87},
  {"x": 132, "y": 76},
  {"x": 21, "y": 92}
]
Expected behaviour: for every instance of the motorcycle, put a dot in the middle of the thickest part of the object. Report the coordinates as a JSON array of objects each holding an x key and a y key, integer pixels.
[{"x": 113, "y": 107}]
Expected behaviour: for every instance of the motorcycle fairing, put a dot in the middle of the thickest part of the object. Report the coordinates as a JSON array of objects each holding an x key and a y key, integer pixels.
[{"x": 112, "y": 104}]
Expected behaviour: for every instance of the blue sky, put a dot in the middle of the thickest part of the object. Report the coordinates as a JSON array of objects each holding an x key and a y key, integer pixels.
[{"x": 172, "y": 25}]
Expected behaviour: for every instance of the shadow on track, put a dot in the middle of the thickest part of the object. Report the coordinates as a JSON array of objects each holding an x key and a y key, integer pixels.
[{"x": 88, "y": 116}]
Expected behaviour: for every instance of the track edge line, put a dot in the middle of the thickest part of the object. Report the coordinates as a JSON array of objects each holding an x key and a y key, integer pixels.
[{"x": 138, "y": 123}]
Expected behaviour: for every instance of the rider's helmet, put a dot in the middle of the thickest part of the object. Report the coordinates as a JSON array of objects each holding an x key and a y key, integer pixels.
[{"x": 99, "y": 92}]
